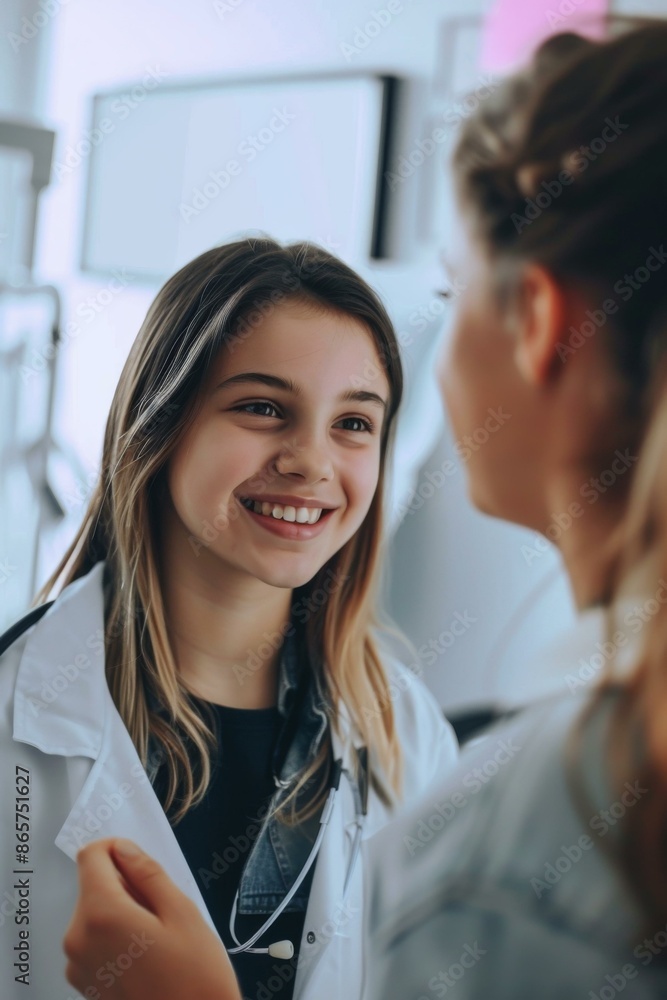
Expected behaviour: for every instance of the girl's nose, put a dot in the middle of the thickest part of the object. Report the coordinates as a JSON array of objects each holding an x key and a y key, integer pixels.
[{"x": 308, "y": 459}]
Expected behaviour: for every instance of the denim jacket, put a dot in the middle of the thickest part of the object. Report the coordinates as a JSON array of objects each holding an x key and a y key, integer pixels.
[{"x": 280, "y": 851}]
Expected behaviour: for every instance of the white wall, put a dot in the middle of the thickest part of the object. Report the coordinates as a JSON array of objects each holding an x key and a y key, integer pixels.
[{"x": 100, "y": 45}]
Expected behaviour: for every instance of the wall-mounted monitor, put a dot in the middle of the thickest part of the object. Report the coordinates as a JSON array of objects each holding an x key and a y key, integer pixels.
[{"x": 174, "y": 170}]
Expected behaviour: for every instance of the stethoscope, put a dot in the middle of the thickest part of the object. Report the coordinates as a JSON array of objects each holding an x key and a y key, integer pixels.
[{"x": 285, "y": 949}]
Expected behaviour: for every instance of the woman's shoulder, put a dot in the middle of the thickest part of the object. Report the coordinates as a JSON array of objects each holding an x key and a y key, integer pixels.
[{"x": 502, "y": 829}]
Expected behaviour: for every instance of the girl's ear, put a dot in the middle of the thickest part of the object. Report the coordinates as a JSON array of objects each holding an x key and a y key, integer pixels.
[{"x": 539, "y": 324}]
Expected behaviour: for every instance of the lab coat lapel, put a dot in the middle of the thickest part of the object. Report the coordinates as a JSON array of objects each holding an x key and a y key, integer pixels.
[
  {"x": 63, "y": 706},
  {"x": 118, "y": 800},
  {"x": 61, "y": 694},
  {"x": 328, "y": 918}
]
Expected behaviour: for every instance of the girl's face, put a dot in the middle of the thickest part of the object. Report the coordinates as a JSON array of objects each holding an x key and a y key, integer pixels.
[{"x": 281, "y": 464}]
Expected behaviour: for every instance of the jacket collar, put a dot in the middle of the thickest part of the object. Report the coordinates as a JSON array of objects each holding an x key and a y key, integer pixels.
[
  {"x": 61, "y": 696},
  {"x": 600, "y": 642}
]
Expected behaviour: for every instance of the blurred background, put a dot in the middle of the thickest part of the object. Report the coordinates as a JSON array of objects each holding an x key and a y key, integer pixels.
[{"x": 135, "y": 134}]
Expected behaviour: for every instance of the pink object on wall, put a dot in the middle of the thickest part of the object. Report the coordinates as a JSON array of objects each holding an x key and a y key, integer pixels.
[{"x": 514, "y": 28}]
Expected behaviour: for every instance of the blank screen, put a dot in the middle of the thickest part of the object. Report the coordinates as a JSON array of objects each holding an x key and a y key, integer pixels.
[{"x": 187, "y": 168}]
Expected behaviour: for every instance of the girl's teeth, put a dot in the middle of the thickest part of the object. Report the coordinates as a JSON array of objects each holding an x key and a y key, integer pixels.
[{"x": 302, "y": 515}]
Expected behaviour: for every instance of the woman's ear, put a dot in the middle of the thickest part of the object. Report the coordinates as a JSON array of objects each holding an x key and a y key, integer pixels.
[{"x": 539, "y": 324}]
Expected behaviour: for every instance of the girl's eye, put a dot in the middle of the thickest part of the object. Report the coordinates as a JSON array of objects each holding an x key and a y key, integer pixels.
[
  {"x": 361, "y": 425},
  {"x": 258, "y": 408}
]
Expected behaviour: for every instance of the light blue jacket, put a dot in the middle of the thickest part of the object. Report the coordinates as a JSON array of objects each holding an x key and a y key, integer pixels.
[{"x": 497, "y": 887}]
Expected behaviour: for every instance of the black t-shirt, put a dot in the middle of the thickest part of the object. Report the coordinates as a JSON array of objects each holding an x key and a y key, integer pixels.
[{"x": 217, "y": 835}]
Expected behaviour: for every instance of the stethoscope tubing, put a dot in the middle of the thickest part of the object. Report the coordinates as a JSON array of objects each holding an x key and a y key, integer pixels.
[{"x": 324, "y": 820}]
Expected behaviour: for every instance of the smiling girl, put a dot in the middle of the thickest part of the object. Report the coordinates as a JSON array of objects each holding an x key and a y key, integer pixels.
[{"x": 222, "y": 593}]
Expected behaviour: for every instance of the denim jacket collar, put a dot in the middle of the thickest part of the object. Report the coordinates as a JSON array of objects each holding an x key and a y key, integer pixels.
[{"x": 280, "y": 851}]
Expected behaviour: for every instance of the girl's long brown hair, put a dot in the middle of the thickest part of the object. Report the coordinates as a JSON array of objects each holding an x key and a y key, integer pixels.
[
  {"x": 213, "y": 303},
  {"x": 594, "y": 231}
]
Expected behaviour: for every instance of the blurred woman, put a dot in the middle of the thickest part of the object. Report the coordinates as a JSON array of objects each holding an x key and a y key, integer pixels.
[{"x": 549, "y": 879}]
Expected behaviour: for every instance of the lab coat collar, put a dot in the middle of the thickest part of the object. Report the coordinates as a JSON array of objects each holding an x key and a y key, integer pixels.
[
  {"x": 58, "y": 659},
  {"x": 61, "y": 697},
  {"x": 62, "y": 705}
]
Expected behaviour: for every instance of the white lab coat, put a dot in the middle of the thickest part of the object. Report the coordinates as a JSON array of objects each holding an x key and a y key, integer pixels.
[{"x": 58, "y": 724}]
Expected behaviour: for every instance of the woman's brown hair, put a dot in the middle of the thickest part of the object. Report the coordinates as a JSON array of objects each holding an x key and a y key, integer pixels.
[
  {"x": 207, "y": 306},
  {"x": 566, "y": 166}
]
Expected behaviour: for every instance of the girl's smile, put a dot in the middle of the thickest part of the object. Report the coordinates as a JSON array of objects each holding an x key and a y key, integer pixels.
[
  {"x": 285, "y": 449},
  {"x": 298, "y": 520}
]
